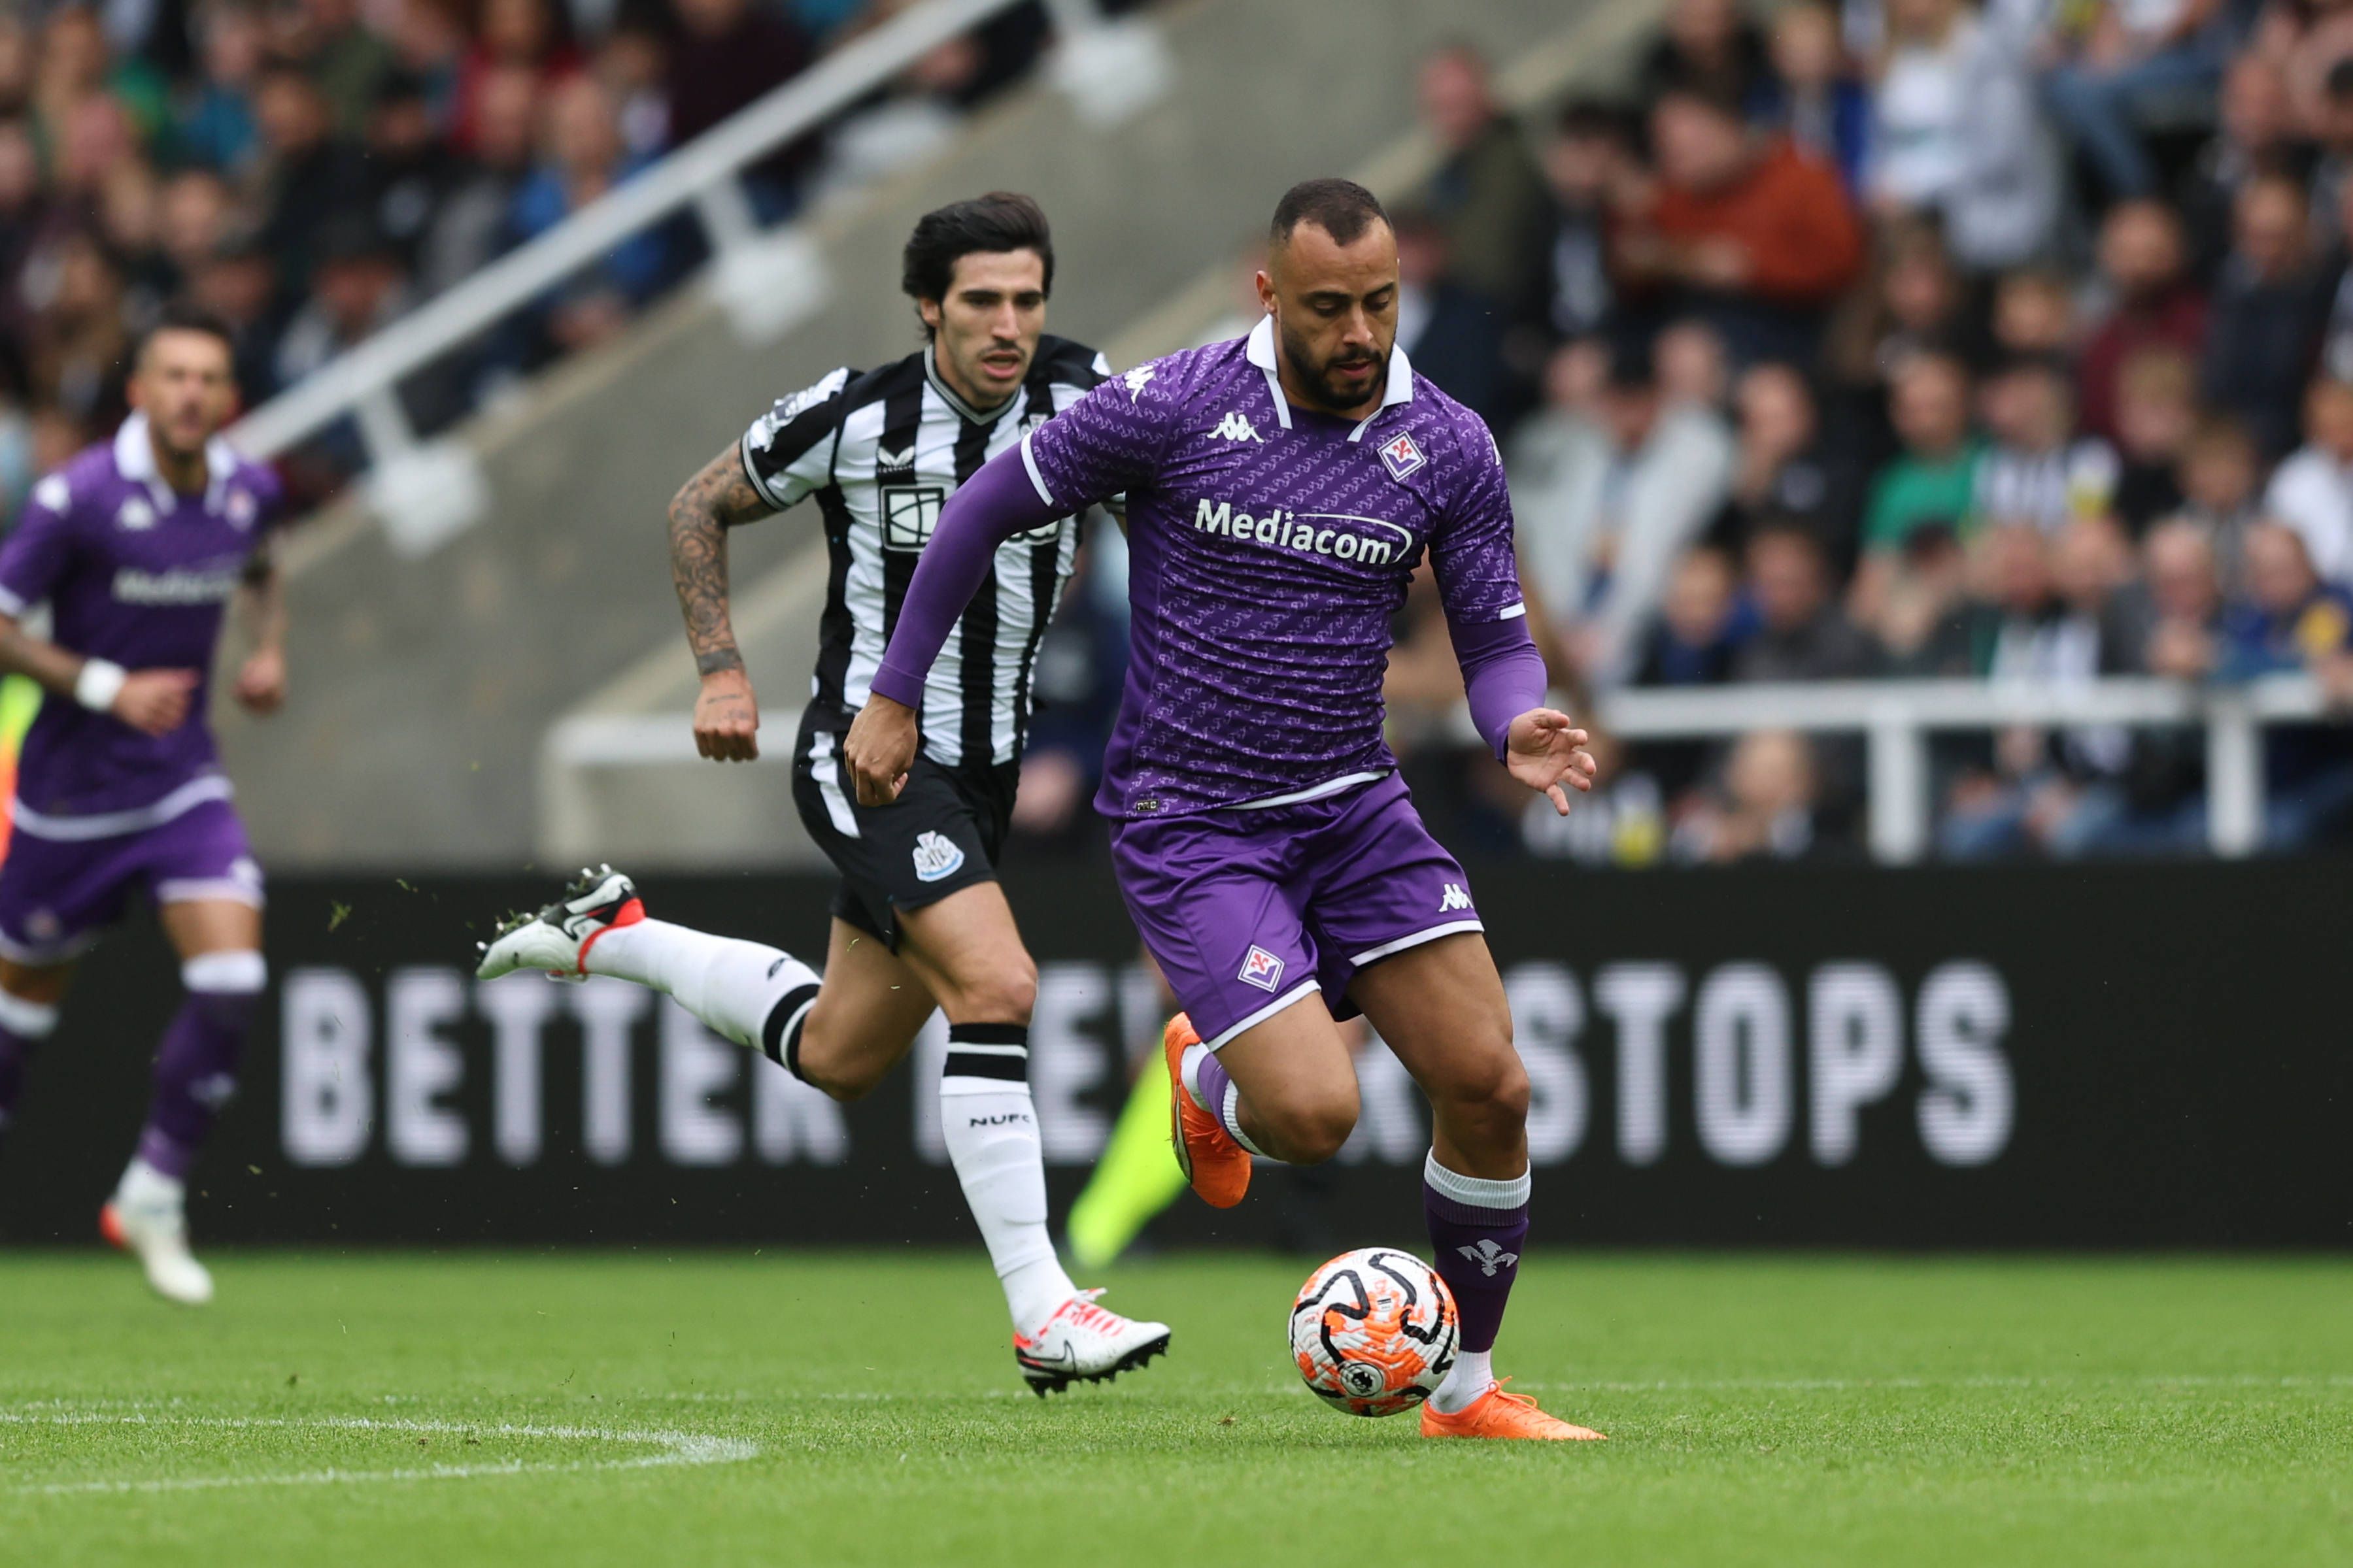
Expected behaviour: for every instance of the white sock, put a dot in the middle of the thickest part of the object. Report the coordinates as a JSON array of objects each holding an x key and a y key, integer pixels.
[
  {"x": 145, "y": 1187},
  {"x": 1473, "y": 1374},
  {"x": 730, "y": 985},
  {"x": 1190, "y": 1068},
  {"x": 991, "y": 1127}
]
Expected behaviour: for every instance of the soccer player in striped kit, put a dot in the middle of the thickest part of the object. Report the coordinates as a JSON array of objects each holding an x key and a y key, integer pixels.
[
  {"x": 918, "y": 922},
  {"x": 1281, "y": 490}
]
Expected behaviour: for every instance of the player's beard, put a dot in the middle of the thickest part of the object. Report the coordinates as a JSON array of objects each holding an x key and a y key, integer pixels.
[{"x": 1320, "y": 376}]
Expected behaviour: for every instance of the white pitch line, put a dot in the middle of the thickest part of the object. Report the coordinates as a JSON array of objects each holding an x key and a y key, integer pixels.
[{"x": 677, "y": 1448}]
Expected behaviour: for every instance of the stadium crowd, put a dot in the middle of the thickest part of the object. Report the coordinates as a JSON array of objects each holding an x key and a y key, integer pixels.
[
  {"x": 1914, "y": 338},
  {"x": 310, "y": 169}
]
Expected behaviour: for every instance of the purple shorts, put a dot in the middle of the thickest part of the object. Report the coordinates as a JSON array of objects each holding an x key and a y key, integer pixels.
[
  {"x": 1249, "y": 909},
  {"x": 58, "y": 895}
]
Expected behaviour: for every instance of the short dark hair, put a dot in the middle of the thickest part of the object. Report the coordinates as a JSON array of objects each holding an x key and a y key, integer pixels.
[
  {"x": 1341, "y": 208},
  {"x": 182, "y": 316},
  {"x": 1001, "y": 220}
]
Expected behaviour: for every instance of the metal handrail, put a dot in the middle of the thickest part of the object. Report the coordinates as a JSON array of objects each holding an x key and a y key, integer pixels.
[
  {"x": 1896, "y": 717},
  {"x": 701, "y": 174}
]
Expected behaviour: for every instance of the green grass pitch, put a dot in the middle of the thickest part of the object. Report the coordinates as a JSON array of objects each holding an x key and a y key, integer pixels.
[{"x": 709, "y": 1409}]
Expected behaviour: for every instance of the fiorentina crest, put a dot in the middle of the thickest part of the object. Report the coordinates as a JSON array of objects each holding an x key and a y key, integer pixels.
[
  {"x": 1402, "y": 456},
  {"x": 1261, "y": 968}
]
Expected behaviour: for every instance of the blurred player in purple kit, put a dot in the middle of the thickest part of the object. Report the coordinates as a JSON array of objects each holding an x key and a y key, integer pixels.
[
  {"x": 1281, "y": 490},
  {"x": 138, "y": 546}
]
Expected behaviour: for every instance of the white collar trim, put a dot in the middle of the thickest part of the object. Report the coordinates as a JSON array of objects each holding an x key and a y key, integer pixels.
[
  {"x": 135, "y": 459},
  {"x": 1260, "y": 351}
]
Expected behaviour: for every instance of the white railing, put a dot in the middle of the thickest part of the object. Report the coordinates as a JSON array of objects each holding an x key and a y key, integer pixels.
[
  {"x": 1896, "y": 717},
  {"x": 426, "y": 491}
]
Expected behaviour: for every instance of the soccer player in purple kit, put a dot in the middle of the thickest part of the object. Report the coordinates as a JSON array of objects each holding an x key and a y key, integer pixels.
[
  {"x": 1281, "y": 488},
  {"x": 138, "y": 546}
]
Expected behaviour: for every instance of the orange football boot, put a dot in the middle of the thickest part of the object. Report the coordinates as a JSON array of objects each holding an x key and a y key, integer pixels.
[
  {"x": 1496, "y": 1413},
  {"x": 1219, "y": 1168}
]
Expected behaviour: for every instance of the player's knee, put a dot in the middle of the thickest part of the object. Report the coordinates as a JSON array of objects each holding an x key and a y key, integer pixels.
[
  {"x": 835, "y": 1068},
  {"x": 1003, "y": 991},
  {"x": 1489, "y": 1085},
  {"x": 1308, "y": 1130}
]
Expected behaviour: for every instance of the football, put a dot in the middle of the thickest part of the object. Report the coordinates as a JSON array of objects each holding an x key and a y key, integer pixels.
[{"x": 1374, "y": 1331}]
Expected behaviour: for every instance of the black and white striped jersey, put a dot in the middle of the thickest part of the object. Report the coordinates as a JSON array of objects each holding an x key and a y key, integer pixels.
[{"x": 882, "y": 451}]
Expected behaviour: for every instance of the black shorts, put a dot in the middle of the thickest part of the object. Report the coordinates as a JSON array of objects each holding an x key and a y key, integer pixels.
[{"x": 944, "y": 832}]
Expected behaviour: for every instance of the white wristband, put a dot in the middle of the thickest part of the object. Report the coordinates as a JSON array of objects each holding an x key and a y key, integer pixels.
[{"x": 98, "y": 684}]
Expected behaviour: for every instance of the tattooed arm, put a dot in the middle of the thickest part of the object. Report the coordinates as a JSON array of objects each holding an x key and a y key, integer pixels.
[{"x": 726, "y": 715}]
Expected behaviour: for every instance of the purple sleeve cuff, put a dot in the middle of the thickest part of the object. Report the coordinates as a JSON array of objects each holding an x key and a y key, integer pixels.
[
  {"x": 1502, "y": 674},
  {"x": 986, "y": 510}
]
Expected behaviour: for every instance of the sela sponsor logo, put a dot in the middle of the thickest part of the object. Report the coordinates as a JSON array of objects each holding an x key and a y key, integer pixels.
[
  {"x": 1261, "y": 968},
  {"x": 1339, "y": 535},
  {"x": 1489, "y": 1257},
  {"x": 1136, "y": 380},
  {"x": 1453, "y": 897},
  {"x": 1234, "y": 428},
  {"x": 936, "y": 856},
  {"x": 908, "y": 514},
  {"x": 180, "y": 585},
  {"x": 1401, "y": 456}
]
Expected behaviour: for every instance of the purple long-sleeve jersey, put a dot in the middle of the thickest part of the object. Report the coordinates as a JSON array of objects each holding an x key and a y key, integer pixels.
[
  {"x": 1268, "y": 548},
  {"x": 138, "y": 575}
]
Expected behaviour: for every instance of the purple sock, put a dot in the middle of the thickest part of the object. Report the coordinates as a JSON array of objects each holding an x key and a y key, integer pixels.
[
  {"x": 1216, "y": 1083},
  {"x": 1477, "y": 1231},
  {"x": 196, "y": 1075}
]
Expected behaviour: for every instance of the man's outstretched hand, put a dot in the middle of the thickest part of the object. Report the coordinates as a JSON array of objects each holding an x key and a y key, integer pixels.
[
  {"x": 880, "y": 749},
  {"x": 1545, "y": 752}
]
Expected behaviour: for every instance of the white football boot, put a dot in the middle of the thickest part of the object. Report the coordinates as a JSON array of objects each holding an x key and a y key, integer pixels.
[
  {"x": 146, "y": 1217},
  {"x": 557, "y": 939},
  {"x": 1082, "y": 1343}
]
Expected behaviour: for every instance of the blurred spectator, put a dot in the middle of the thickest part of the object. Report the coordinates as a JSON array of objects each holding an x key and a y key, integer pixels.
[
  {"x": 1744, "y": 231},
  {"x": 347, "y": 61},
  {"x": 1588, "y": 161},
  {"x": 514, "y": 35},
  {"x": 2286, "y": 620},
  {"x": 2157, "y": 416},
  {"x": 2269, "y": 305},
  {"x": 2033, "y": 313},
  {"x": 1934, "y": 481},
  {"x": 1607, "y": 504},
  {"x": 1784, "y": 469},
  {"x": 470, "y": 224},
  {"x": 2055, "y": 619},
  {"x": 1699, "y": 628},
  {"x": 1710, "y": 47},
  {"x": 214, "y": 125},
  {"x": 1693, "y": 369},
  {"x": 915, "y": 122},
  {"x": 2257, "y": 135},
  {"x": 2152, "y": 304},
  {"x": 411, "y": 171},
  {"x": 1813, "y": 96},
  {"x": 1916, "y": 606},
  {"x": 2129, "y": 67},
  {"x": 2312, "y": 491},
  {"x": 2221, "y": 474},
  {"x": 2035, "y": 469},
  {"x": 309, "y": 175},
  {"x": 583, "y": 160},
  {"x": 1452, "y": 334},
  {"x": 731, "y": 53},
  {"x": 1801, "y": 633},
  {"x": 1763, "y": 808},
  {"x": 1959, "y": 133},
  {"x": 1488, "y": 196}
]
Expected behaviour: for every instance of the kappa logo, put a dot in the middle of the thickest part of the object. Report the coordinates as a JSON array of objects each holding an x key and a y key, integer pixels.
[
  {"x": 1261, "y": 968},
  {"x": 1401, "y": 456},
  {"x": 1235, "y": 427},
  {"x": 1136, "y": 380},
  {"x": 1453, "y": 897},
  {"x": 936, "y": 856},
  {"x": 1489, "y": 1257}
]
